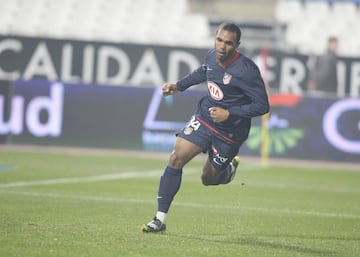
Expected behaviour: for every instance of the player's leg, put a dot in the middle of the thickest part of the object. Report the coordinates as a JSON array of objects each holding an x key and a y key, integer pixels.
[
  {"x": 221, "y": 165},
  {"x": 186, "y": 147},
  {"x": 210, "y": 175},
  {"x": 184, "y": 151},
  {"x": 170, "y": 181}
]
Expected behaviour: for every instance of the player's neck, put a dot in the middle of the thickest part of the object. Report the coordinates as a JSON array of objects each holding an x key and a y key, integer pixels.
[{"x": 229, "y": 61}]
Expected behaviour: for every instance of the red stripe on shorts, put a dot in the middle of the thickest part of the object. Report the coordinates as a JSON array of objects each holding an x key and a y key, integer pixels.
[{"x": 216, "y": 131}]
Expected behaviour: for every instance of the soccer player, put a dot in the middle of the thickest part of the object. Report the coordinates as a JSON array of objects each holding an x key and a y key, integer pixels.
[{"x": 222, "y": 120}]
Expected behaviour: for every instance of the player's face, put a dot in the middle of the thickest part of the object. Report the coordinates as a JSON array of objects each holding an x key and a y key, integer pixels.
[{"x": 225, "y": 45}]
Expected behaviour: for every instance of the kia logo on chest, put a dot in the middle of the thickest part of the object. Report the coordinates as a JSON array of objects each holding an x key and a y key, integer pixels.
[{"x": 215, "y": 91}]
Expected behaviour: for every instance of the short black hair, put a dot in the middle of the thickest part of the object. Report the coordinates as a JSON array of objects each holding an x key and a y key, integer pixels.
[
  {"x": 332, "y": 39},
  {"x": 232, "y": 27}
]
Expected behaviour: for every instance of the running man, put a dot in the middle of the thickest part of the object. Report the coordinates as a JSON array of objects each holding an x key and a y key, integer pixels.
[{"x": 222, "y": 120}]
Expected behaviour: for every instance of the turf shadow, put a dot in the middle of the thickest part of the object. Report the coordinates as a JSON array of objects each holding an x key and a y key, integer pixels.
[{"x": 253, "y": 241}]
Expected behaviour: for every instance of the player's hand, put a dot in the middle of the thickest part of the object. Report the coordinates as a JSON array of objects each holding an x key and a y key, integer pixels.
[
  {"x": 169, "y": 89},
  {"x": 218, "y": 114}
]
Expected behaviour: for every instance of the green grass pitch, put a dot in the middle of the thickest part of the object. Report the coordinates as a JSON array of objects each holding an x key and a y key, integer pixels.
[{"x": 93, "y": 204}]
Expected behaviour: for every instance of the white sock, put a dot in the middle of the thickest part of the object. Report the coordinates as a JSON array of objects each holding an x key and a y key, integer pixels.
[{"x": 161, "y": 216}]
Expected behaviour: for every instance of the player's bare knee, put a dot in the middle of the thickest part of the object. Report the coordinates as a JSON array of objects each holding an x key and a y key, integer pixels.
[{"x": 175, "y": 161}]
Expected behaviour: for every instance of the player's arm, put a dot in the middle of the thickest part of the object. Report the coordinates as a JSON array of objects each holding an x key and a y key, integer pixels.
[
  {"x": 254, "y": 89},
  {"x": 169, "y": 89},
  {"x": 219, "y": 114},
  {"x": 258, "y": 105},
  {"x": 196, "y": 77}
]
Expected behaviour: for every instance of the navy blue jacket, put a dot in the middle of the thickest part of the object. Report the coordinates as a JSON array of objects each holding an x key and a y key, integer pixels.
[{"x": 238, "y": 88}]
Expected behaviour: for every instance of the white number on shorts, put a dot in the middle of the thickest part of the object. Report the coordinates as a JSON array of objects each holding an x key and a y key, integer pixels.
[{"x": 194, "y": 124}]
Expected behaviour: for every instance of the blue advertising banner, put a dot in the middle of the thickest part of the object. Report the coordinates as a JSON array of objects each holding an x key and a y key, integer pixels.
[
  {"x": 311, "y": 128},
  {"x": 53, "y": 113},
  {"x": 119, "y": 64},
  {"x": 45, "y": 113}
]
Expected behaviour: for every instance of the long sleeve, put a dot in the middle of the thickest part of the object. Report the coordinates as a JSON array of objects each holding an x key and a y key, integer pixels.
[
  {"x": 196, "y": 77},
  {"x": 255, "y": 91},
  {"x": 259, "y": 105}
]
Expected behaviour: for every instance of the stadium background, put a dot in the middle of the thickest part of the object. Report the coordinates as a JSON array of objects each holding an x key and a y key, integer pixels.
[{"x": 87, "y": 74}]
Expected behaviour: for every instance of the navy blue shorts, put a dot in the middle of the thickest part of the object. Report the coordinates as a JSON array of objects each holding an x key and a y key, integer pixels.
[{"x": 221, "y": 150}]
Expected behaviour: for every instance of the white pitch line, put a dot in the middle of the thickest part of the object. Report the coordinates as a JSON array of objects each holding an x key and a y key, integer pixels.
[
  {"x": 147, "y": 174},
  {"x": 187, "y": 204},
  {"x": 281, "y": 211},
  {"x": 320, "y": 188},
  {"x": 106, "y": 177}
]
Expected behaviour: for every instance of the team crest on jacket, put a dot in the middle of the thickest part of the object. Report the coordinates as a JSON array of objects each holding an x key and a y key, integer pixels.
[{"x": 227, "y": 78}]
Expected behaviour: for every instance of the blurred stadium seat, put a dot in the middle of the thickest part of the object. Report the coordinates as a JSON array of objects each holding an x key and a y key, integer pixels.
[
  {"x": 28, "y": 17},
  {"x": 308, "y": 24},
  {"x": 133, "y": 21},
  {"x": 55, "y": 20},
  {"x": 287, "y": 11},
  {"x": 304, "y": 25},
  {"x": 7, "y": 13}
]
